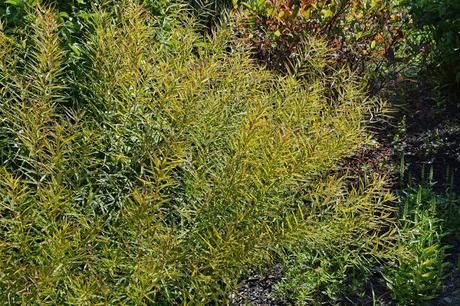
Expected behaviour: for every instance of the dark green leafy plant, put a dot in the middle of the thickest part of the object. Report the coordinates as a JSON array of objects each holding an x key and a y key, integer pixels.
[{"x": 438, "y": 24}]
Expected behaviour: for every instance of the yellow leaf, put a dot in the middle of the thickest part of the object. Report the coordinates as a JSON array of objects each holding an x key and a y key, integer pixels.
[
  {"x": 327, "y": 13},
  {"x": 373, "y": 44}
]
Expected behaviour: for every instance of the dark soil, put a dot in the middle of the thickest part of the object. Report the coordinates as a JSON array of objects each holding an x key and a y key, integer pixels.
[{"x": 259, "y": 289}]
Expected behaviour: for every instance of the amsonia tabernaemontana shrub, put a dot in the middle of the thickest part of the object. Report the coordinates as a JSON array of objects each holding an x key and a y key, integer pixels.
[{"x": 159, "y": 166}]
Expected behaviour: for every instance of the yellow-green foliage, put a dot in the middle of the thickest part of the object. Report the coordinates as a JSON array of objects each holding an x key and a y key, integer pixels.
[{"x": 160, "y": 167}]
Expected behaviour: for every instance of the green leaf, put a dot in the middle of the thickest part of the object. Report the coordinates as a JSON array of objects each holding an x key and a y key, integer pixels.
[
  {"x": 75, "y": 49},
  {"x": 327, "y": 13},
  {"x": 375, "y": 3}
]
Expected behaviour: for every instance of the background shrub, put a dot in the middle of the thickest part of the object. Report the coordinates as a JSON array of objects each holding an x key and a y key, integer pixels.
[
  {"x": 438, "y": 24},
  {"x": 363, "y": 34}
]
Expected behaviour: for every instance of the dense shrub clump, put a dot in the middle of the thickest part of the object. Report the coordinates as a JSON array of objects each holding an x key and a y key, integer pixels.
[{"x": 159, "y": 167}]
